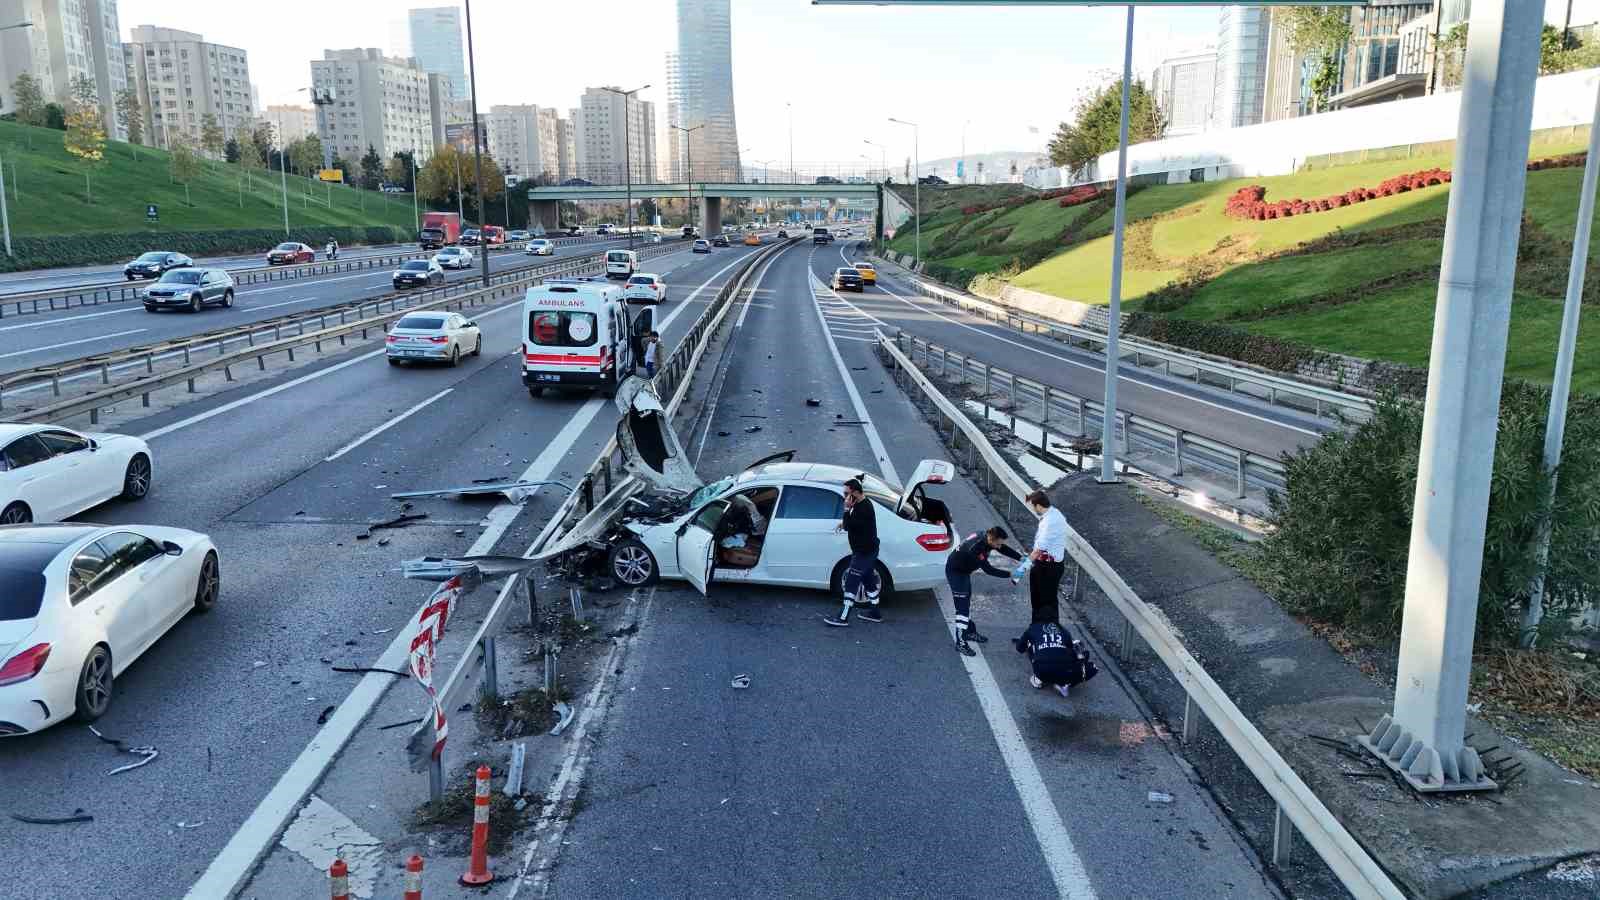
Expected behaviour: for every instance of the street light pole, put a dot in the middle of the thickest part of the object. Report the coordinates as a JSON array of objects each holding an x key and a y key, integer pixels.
[
  {"x": 283, "y": 182},
  {"x": 477, "y": 143},
  {"x": 792, "y": 176},
  {"x": 688, "y": 149},
  {"x": 1108, "y": 417},
  {"x": 883, "y": 158},
  {"x": 5, "y": 215},
  {"x": 964, "y": 150},
  {"x": 916, "y": 181},
  {"x": 416, "y": 218},
  {"x": 627, "y": 149}
]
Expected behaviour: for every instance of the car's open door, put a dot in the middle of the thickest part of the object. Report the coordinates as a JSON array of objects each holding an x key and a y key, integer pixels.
[
  {"x": 929, "y": 471},
  {"x": 697, "y": 544},
  {"x": 649, "y": 447}
]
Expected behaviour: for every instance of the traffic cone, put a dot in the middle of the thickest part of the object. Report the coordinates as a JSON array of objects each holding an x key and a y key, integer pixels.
[
  {"x": 478, "y": 869},
  {"x": 413, "y": 878},
  {"x": 339, "y": 880}
]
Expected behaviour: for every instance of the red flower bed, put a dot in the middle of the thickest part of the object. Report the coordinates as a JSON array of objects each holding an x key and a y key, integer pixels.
[{"x": 1250, "y": 202}]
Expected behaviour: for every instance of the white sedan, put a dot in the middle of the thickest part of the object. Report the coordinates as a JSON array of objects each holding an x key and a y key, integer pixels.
[
  {"x": 644, "y": 287},
  {"x": 435, "y": 336},
  {"x": 795, "y": 539},
  {"x": 541, "y": 247},
  {"x": 48, "y": 473},
  {"x": 454, "y": 258},
  {"x": 80, "y": 603}
]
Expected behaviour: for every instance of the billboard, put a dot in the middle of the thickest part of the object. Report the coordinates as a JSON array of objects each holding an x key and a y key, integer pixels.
[
  {"x": 335, "y": 175},
  {"x": 459, "y": 136}
]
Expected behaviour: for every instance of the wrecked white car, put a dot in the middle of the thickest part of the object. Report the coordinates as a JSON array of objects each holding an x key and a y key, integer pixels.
[{"x": 775, "y": 522}]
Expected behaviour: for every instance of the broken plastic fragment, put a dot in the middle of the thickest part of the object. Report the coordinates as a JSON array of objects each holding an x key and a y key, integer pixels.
[
  {"x": 514, "y": 491},
  {"x": 565, "y": 713},
  {"x": 1159, "y": 797},
  {"x": 741, "y": 681}
]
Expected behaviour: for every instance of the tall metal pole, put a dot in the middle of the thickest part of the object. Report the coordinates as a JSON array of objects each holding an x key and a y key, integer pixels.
[
  {"x": 283, "y": 181},
  {"x": 1424, "y": 738},
  {"x": 416, "y": 218},
  {"x": 627, "y": 161},
  {"x": 792, "y": 177},
  {"x": 1108, "y": 425},
  {"x": 1555, "y": 426},
  {"x": 5, "y": 215},
  {"x": 477, "y": 144},
  {"x": 916, "y": 182},
  {"x": 688, "y": 148}
]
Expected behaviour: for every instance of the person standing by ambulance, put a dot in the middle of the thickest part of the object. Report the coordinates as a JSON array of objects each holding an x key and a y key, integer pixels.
[
  {"x": 861, "y": 583},
  {"x": 1046, "y": 563}
]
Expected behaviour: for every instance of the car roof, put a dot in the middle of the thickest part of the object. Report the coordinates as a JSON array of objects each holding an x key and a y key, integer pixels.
[
  {"x": 9, "y": 431},
  {"x": 824, "y": 474},
  {"x": 53, "y": 535}
]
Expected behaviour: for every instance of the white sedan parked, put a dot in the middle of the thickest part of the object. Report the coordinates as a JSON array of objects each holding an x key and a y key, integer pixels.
[
  {"x": 541, "y": 247},
  {"x": 79, "y": 603},
  {"x": 645, "y": 287},
  {"x": 432, "y": 337},
  {"x": 454, "y": 258},
  {"x": 48, "y": 473}
]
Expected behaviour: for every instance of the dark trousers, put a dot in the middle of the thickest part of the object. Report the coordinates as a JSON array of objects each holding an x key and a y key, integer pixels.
[
  {"x": 1044, "y": 588},
  {"x": 861, "y": 577},
  {"x": 960, "y": 592}
]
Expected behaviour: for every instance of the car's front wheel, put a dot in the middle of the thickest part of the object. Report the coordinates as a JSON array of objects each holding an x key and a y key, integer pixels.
[
  {"x": 136, "y": 480},
  {"x": 16, "y": 514},
  {"x": 93, "y": 696},
  {"x": 633, "y": 564},
  {"x": 195, "y": 303},
  {"x": 209, "y": 585}
]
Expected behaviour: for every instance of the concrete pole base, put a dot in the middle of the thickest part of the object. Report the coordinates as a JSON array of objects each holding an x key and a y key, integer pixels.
[{"x": 1421, "y": 766}]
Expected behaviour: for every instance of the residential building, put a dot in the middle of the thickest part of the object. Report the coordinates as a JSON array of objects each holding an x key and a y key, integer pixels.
[
  {"x": 1287, "y": 91},
  {"x": 69, "y": 38},
  {"x": 1371, "y": 69},
  {"x": 181, "y": 78},
  {"x": 376, "y": 101},
  {"x": 290, "y": 123},
  {"x": 549, "y": 143},
  {"x": 514, "y": 139},
  {"x": 603, "y": 143},
  {"x": 441, "y": 108},
  {"x": 1242, "y": 38},
  {"x": 1184, "y": 86},
  {"x": 567, "y": 145},
  {"x": 646, "y": 142},
  {"x": 700, "y": 86},
  {"x": 25, "y": 50},
  {"x": 437, "y": 46}
]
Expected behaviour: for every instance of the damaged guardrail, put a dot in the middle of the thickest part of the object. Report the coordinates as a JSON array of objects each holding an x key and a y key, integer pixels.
[
  {"x": 1297, "y": 806},
  {"x": 1142, "y": 437},
  {"x": 675, "y": 375}
]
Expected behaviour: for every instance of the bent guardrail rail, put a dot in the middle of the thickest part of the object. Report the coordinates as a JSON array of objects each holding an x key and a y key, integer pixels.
[{"x": 1298, "y": 808}]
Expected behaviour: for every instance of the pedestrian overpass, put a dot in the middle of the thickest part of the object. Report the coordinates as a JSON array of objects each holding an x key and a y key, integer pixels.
[{"x": 544, "y": 202}]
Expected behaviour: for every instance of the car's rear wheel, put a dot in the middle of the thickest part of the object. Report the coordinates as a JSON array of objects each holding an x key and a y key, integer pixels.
[
  {"x": 16, "y": 514},
  {"x": 836, "y": 580},
  {"x": 535, "y": 392},
  {"x": 393, "y": 361},
  {"x": 136, "y": 480},
  {"x": 455, "y": 355},
  {"x": 633, "y": 564},
  {"x": 209, "y": 587},
  {"x": 93, "y": 696}
]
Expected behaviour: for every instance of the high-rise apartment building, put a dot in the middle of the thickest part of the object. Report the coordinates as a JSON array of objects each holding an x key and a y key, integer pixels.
[
  {"x": 290, "y": 123},
  {"x": 1242, "y": 41},
  {"x": 181, "y": 78},
  {"x": 567, "y": 146},
  {"x": 603, "y": 144},
  {"x": 514, "y": 139},
  {"x": 1184, "y": 86},
  {"x": 377, "y": 102},
  {"x": 437, "y": 46},
  {"x": 25, "y": 50},
  {"x": 69, "y": 38},
  {"x": 441, "y": 108},
  {"x": 700, "y": 91},
  {"x": 549, "y": 143}
]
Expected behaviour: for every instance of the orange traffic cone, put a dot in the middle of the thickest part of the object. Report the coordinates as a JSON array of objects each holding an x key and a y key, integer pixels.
[
  {"x": 339, "y": 880},
  {"x": 478, "y": 869},
  {"x": 413, "y": 878}
]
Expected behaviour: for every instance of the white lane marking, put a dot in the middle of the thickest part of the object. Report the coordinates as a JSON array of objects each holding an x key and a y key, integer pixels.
[
  {"x": 384, "y": 427},
  {"x": 321, "y": 834},
  {"x": 234, "y": 863},
  {"x": 114, "y": 312},
  {"x": 98, "y": 337},
  {"x": 1061, "y": 857}
]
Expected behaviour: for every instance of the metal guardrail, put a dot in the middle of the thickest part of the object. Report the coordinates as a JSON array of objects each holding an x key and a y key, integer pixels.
[
  {"x": 1274, "y": 389},
  {"x": 451, "y": 297},
  {"x": 1297, "y": 806},
  {"x": 674, "y": 376},
  {"x": 1142, "y": 438}
]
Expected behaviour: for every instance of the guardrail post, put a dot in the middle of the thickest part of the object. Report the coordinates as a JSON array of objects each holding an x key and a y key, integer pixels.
[
  {"x": 227, "y": 372},
  {"x": 1239, "y": 456},
  {"x": 1282, "y": 835},
  {"x": 1177, "y": 453},
  {"x": 191, "y": 385},
  {"x": 105, "y": 373},
  {"x": 261, "y": 362},
  {"x": 94, "y": 415},
  {"x": 436, "y": 778},
  {"x": 1127, "y": 639},
  {"x": 1191, "y": 719},
  {"x": 944, "y": 362},
  {"x": 1083, "y": 427},
  {"x": 55, "y": 384},
  {"x": 149, "y": 363},
  {"x": 986, "y": 388},
  {"x": 186, "y": 360},
  {"x": 1044, "y": 404},
  {"x": 490, "y": 689}
]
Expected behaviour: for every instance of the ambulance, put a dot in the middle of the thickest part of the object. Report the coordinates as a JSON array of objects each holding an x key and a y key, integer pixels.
[{"x": 578, "y": 333}]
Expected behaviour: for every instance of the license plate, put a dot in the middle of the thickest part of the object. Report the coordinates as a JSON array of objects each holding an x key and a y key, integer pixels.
[
  {"x": 544, "y": 377},
  {"x": 412, "y": 352}
]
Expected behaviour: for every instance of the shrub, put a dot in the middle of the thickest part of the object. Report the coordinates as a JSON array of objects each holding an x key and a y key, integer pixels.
[{"x": 84, "y": 249}]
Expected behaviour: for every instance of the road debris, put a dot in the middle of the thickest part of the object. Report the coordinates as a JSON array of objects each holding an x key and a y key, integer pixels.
[
  {"x": 78, "y": 815},
  {"x": 149, "y": 753},
  {"x": 519, "y": 758},
  {"x": 724, "y": 433},
  {"x": 326, "y": 714},
  {"x": 259, "y": 664},
  {"x": 1159, "y": 797},
  {"x": 514, "y": 491},
  {"x": 380, "y": 670},
  {"x": 812, "y": 401},
  {"x": 400, "y": 724},
  {"x": 741, "y": 681},
  {"x": 188, "y": 824},
  {"x": 565, "y": 712},
  {"x": 752, "y": 429}
]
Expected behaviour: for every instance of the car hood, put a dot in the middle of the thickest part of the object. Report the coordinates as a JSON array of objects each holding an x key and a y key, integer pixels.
[
  {"x": 170, "y": 287},
  {"x": 648, "y": 444},
  {"x": 108, "y": 439}
]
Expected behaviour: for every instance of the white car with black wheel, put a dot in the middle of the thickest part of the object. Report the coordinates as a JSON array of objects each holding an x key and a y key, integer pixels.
[
  {"x": 541, "y": 247},
  {"x": 48, "y": 473},
  {"x": 432, "y": 337},
  {"x": 79, "y": 603},
  {"x": 454, "y": 258},
  {"x": 645, "y": 287}
]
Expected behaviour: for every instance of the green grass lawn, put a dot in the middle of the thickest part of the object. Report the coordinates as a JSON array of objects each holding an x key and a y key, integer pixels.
[
  {"x": 46, "y": 194},
  {"x": 1038, "y": 220},
  {"x": 1277, "y": 282},
  {"x": 1083, "y": 273}
]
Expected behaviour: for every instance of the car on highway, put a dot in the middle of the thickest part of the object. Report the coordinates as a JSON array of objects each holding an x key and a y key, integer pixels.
[
  {"x": 576, "y": 231},
  {"x": 417, "y": 273},
  {"x": 847, "y": 280},
  {"x": 821, "y": 236},
  {"x": 783, "y": 234},
  {"x": 290, "y": 252},
  {"x": 687, "y": 231},
  {"x": 454, "y": 258},
  {"x": 79, "y": 603},
  {"x": 48, "y": 473},
  {"x": 517, "y": 234},
  {"x": 541, "y": 247},
  {"x": 471, "y": 237},
  {"x": 667, "y": 523},
  {"x": 651, "y": 237},
  {"x": 868, "y": 273},
  {"x": 752, "y": 240},
  {"x": 390, "y": 188},
  {"x": 605, "y": 228},
  {"x": 190, "y": 290},
  {"x": 432, "y": 336},
  {"x": 645, "y": 287},
  {"x": 154, "y": 263},
  {"x": 701, "y": 245},
  {"x": 720, "y": 240}
]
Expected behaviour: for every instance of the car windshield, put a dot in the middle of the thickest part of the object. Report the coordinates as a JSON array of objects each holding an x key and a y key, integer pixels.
[
  {"x": 181, "y": 276},
  {"x": 451, "y": 251},
  {"x": 847, "y": 273},
  {"x": 714, "y": 489},
  {"x": 415, "y": 265},
  {"x": 421, "y": 323},
  {"x": 151, "y": 257}
]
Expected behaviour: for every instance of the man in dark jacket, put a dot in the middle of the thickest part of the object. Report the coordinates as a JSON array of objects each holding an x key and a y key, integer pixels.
[
  {"x": 969, "y": 557},
  {"x": 861, "y": 584},
  {"x": 1058, "y": 660}
]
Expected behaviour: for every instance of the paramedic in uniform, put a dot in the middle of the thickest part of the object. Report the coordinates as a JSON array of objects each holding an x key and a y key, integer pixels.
[
  {"x": 861, "y": 585},
  {"x": 969, "y": 557}
]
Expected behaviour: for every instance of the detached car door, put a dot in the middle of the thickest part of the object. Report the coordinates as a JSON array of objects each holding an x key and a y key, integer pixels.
[{"x": 697, "y": 544}]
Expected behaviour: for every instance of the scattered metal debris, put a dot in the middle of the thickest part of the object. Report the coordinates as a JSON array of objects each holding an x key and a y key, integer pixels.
[
  {"x": 519, "y": 757},
  {"x": 812, "y": 401},
  {"x": 379, "y": 669},
  {"x": 78, "y": 815},
  {"x": 741, "y": 681},
  {"x": 401, "y": 724},
  {"x": 326, "y": 714},
  {"x": 565, "y": 712},
  {"x": 149, "y": 753},
  {"x": 752, "y": 429},
  {"x": 188, "y": 824},
  {"x": 724, "y": 433},
  {"x": 514, "y": 491},
  {"x": 1160, "y": 797}
]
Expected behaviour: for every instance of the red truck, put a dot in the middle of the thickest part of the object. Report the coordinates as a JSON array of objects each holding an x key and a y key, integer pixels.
[
  {"x": 493, "y": 236},
  {"x": 439, "y": 229}
]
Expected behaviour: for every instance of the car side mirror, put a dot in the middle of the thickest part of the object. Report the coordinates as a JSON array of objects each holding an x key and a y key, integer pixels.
[
  {"x": 171, "y": 549},
  {"x": 681, "y": 529},
  {"x": 94, "y": 444},
  {"x": 470, "y": 324}
]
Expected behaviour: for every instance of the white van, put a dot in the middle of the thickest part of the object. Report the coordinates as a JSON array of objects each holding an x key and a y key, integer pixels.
[
  {"x": 621, "y": 263},
  {"x": 575, "y": 333}
]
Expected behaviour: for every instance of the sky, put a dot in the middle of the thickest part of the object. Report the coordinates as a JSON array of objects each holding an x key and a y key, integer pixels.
[{"x": 986, "y": 74}]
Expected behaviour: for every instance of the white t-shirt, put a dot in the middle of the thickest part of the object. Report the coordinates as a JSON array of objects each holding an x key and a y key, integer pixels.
[
  {"x": 650, "y": 352},
  {"x": 1052, "y": 534}
]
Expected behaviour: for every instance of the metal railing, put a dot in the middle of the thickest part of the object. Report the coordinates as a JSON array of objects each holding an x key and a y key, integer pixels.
[
  {"x": 1255, "y": 383},
  {"x": 1297, "y": 807},
  {"x": 272, "y": 342},
  {"x": 675, "y": 377},
  {"x": 1058, "y": 413}
]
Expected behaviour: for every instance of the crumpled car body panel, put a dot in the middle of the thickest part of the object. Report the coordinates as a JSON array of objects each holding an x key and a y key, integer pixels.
[{"x": 648, "y": 444}]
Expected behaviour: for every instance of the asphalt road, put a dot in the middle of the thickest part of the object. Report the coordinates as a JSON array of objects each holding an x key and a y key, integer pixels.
[
  {"x": 1231, "y": 418},
  {"x": 284, "y": 484},
  {"x": 867, "y": 761},
  {"x": 36, "y": 340}
]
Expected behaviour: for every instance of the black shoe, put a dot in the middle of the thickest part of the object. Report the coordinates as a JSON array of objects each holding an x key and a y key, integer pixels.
[
  {"x": 973, "y": 635},
  {"x": 870, "y": 614},
  {"x": 962, "y": 647},
  {"x": 836, "y": 621}
]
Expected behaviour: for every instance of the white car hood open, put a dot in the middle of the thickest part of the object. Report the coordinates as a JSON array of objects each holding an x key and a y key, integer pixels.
[{"x": 649, "y": 446}]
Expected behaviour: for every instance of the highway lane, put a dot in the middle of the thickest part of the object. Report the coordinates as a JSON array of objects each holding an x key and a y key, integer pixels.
[
  {"x": 862, "y": 762},
  {"x": 231, "y": 698},
  {"x": 30, "y": 341},
  {"x": 1231, "y": 418}
]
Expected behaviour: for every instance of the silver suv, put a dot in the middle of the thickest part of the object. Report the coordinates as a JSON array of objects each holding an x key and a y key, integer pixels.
[{"x": 190, "y": 289}]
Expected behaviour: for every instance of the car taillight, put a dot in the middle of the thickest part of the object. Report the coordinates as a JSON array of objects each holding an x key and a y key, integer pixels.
[
  {"x": 439, "y": 340},
  {"x": 935, "y": 542},
  {"x": 390, "y": 339},
  {"x": 24, "y": 665}
]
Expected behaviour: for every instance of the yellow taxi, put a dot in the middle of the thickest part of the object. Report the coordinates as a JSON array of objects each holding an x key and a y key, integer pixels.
[
  {"x": 869, "y": 275},
  {"x": 752, "y": 240}
]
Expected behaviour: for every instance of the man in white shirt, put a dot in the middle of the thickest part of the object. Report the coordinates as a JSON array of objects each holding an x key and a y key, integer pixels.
[{"x": 1048, "y": 559}]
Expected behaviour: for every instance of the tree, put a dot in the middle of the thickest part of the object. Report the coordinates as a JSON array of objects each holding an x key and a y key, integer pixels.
[
  {"x": 230, "y": 150},
  {"x": 436, "y": 182},
  {"x": 27, "y": 96},
  {"x": 407, "y": 160},
  {"x": 131, "y": 116},
  {"x": 306, "y": 154},
  {"x": 1321, "y": 33},
  {"x": 211, "y": 139},
  {"x": 261, "y": 140},
  {"x": 371, "y": 168},
  {"x": 86, "y": 130},
  {"x": 55, "y": 116},
  {"x": 1095, "y": 129},
  {"x": 396, "y": 170},
  {"x": 249, "y": 162},
  {"x": 185, "y": 164}
]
